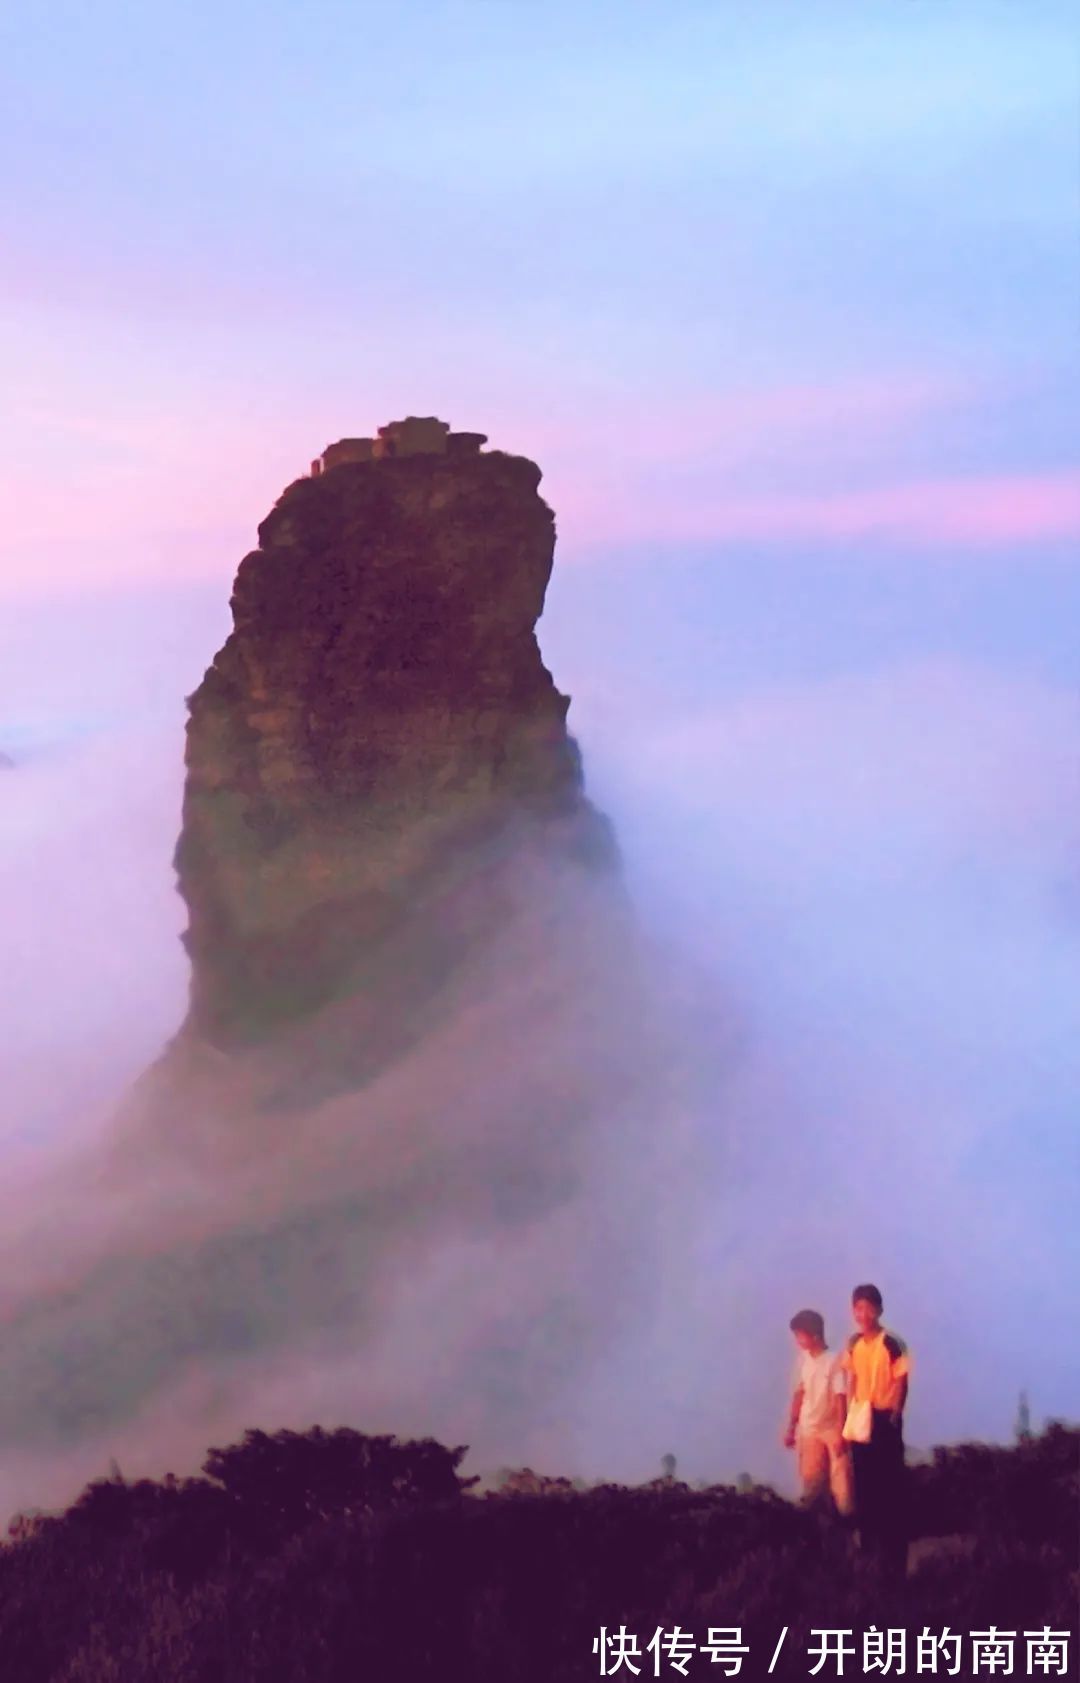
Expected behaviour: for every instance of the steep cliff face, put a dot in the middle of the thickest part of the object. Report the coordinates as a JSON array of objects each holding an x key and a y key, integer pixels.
[
  {"x": 374, "y": 742},
  {"x": 411, "y": 1161}
]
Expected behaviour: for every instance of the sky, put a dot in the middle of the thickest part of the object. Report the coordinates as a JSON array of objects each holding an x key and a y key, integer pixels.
[{"x": 784, "y": 301}]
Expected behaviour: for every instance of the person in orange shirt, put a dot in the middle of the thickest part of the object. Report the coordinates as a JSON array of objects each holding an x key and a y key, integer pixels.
[{"x": 877, "y": 1364}]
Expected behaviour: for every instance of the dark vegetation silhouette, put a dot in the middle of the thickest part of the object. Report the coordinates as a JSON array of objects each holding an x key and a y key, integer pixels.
[{"x": 335, "y": 1557}]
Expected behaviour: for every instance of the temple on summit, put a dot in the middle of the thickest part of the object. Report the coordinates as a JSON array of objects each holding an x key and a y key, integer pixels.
[{"x": 416, "y": 435}]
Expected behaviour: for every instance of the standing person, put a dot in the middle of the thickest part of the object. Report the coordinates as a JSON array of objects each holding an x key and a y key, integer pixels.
[
  {"x": 877, "y": 1365},
  {"x": 816, "y": 1420}
]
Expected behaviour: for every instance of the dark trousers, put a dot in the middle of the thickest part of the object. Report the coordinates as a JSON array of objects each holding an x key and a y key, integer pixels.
[{"x": 880, "y": 1494}]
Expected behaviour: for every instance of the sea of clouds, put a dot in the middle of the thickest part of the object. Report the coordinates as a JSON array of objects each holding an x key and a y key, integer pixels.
[{"x": 859, "y": 885}]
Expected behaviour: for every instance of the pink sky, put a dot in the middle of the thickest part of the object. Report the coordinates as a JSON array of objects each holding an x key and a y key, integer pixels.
[
  {"x": 154, "y": 488},
  {"x": 960, "y": 515}
]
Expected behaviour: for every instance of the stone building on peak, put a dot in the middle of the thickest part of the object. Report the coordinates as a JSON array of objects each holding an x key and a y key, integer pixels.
[{"x": 416, "y": 435}]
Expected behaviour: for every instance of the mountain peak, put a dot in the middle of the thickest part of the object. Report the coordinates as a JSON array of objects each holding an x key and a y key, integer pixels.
[{"x": 378, "y": 730}]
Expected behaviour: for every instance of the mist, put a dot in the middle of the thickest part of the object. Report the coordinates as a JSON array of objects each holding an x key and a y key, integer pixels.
[{"x": 856, "y": 894}]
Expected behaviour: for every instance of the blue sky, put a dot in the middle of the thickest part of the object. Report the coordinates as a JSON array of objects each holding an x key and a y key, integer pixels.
[{"x": 239, "y": 229}]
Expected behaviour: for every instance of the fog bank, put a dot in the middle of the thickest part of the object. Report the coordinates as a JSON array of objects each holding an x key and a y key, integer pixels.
[{"x": 858, "y": 908}]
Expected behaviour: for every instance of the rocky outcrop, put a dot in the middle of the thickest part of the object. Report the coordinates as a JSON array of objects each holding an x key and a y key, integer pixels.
[
  {"x": 376, "y": 741},
  {"x": 416, "y": 1154}
]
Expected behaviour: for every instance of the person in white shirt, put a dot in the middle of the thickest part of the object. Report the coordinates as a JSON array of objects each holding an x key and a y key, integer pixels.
[{"x": 816, "y": 1421}]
